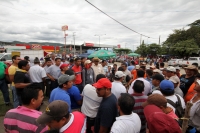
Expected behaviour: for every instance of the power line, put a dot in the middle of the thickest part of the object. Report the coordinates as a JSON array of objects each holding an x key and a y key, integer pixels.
[{"x": 118, "y": 21}]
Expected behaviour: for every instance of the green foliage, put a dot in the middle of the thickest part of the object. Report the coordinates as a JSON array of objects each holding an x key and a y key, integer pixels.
[
  {"x": 183, "y": 42},
  {"x": 122, "y": 51}
]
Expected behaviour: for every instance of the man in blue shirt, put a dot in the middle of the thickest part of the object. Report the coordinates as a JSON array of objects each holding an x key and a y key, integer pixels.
[
  {"x": 132, "y": 66},
  {"x": 65, "y": 82},
  {"x": 74, "y": 93}
]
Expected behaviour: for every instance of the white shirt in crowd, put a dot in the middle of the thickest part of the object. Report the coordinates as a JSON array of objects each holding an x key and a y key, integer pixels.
[
  {"x": 36, "y": 73},
  {"x": 91, "y": 101},
  {"x": 147, "y": 86},
  {"x": 172, "y": 98},
  {"x": 97, "y": 69},
  {"x": 117, "y": 88},
  {"x": 127, "y": 124}
]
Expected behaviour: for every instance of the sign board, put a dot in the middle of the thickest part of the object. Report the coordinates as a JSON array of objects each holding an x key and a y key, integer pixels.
[
  {"x": 36, "y": 47},
  {"x": 64, "y": 28},
  {"x": 89, "y": 44}
]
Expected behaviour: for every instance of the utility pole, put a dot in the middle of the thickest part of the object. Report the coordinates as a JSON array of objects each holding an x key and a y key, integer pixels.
[
  {"x": 159, "y": 40},
  {"x": 140, "y": 39},
  {"x": 74, "y": 43}
]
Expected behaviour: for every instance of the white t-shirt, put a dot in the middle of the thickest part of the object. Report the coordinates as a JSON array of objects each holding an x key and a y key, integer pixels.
[
  {"x": 36, "y": 73},
  {"x": 127, "y": 124},
  {"x": 172, "y": 98},
  {"x": 91, "y": 101},
  {"x": 147, "y": 86},
  {"x": 117, "y": 88}
]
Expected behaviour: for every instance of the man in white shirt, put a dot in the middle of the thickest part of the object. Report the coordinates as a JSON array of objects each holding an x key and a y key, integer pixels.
[
  {"x": 126, "y": 71},
  {"x": 37, "y": 73},
  {"x": 147, "y": 85},
  {"x": 167, "y": 90},
  {"x": 127, "y": 122},
  {"x": 117, "y": 86},
  {"x": 91, "y": 103},
  {"x": 98, "y": 69}
]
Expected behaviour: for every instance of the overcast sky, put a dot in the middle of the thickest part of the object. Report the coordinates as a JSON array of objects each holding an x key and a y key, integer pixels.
[{"x": 41, "y": 20}]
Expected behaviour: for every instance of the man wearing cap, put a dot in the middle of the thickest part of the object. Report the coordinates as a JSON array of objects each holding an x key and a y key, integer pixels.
[
  {"x": 23, "y": 118},
  {"x": 98, "y": 69},
  {"x": 37, "y": 73},
  {"x": 156, "y": 79},
  {"x": 127, "y": 122},
  {"x": 187, "y": 79},
  {"x": 57, "y": 117},
  {"x": 171, "y": 72},
  {"x": 161, "y": 102},
  {"x": 74, "y": 93},
  {"x": 147, "y": 85},
  {"x": 178, "y": 72},
  {"x": 54, "y": 72},
  {"x": 117, "y": 86},
  {"x": 107, "y": 109},
  {"x": 167, "y": 90},
  {"x": 65, "y": 82},
  {"x": 159, "y": 122},
  {"x": 88, "y": 76},
  {"x": 64, "y": 67},
  {"x": 175, "y": 80}
]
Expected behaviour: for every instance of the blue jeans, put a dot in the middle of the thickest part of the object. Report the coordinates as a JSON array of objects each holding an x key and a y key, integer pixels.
[
  {"x": 15, "y": 97},
  {"x": 4, "y": 90}
]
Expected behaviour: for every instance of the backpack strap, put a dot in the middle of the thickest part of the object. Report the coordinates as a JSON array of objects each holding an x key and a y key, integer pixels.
[
  {"x": 171, "y": 102},
  {"x": 174, "y": 104},
  {"x": 179, "y": 100}
]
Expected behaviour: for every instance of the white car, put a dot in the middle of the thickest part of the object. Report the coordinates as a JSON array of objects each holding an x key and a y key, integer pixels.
[{"x": 174, "y": 62}]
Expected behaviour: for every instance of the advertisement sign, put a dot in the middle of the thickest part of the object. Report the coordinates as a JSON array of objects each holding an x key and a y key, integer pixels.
[
  {"x": 64, "y": 28},
  {"x": 89, "y": 44},
  {"x": 36, "y": 47}
]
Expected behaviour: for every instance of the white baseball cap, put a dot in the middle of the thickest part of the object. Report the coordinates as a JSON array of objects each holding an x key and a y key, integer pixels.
[
  {"x": 157, "y": 71},
  {"x": 87, "y": 62},
  {"x": 171, "y": 69},
  {"x": 174, "y": 79},
  {"x": 137, "y": 67},
  {"x": 119, "y": 74}
]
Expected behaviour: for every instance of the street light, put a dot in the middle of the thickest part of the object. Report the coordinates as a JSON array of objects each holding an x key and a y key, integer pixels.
[
  {"x": 99, "y": 38},
  {"x": 74, "y": 42}
]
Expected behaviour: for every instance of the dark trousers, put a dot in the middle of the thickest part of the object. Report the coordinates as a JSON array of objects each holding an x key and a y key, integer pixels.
[
  {"x": 48, "y": 85},
  {"x": 90, "y": 123},
  {"x": 54, "y": 84},
  {"x": 4, "y": 89},
  {"x": 80, "y": 87}
]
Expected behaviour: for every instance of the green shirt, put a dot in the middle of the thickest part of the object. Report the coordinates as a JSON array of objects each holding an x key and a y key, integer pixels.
[{"x": 2, "y": 70}]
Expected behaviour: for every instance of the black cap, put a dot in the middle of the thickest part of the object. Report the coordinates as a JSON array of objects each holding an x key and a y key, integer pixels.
[
  {"x": 26, "y": 58},
  {"x": 158, "y": 77}
]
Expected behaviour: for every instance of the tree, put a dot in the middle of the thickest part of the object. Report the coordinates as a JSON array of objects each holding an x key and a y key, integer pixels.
[
  {"x": 185, "y": 48},
  {"x": 184, "y": 42},
  {"x": 142, "y": 49},
  {"x": 122, "y": 51},
  {"x": 153, "y": 49}
]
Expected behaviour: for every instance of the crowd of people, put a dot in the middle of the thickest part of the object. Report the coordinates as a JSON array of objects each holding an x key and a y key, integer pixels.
[{"x": 91, "y": 96}]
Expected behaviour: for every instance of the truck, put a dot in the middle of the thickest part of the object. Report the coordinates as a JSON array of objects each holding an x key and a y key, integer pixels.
[
  {"x": 190, "y": 61},
  {"x": 22, "y": 53}
]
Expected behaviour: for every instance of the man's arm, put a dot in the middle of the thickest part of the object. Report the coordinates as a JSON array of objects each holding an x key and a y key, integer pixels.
[
  {"x": 11, "y": 77},
  {"x": 50, "y": 77},
  {"x": 103, "y": 129},
  {"x": 21, "y": 85}
]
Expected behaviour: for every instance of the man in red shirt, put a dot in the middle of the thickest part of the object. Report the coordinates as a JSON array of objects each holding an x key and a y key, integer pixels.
[
  {"x": 78, "y": 70},
  {"x": 57, "y": 117}
]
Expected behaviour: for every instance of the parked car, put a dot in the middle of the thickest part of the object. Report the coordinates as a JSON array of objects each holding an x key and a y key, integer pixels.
[
  {"x": 190, "y": 61},
  {"x": 174, "y": 62}
]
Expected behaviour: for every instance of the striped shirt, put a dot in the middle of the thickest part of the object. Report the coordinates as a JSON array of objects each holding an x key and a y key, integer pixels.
[
  {"x": 23, "y": 120},
  {"x": 139, "y": 99}
]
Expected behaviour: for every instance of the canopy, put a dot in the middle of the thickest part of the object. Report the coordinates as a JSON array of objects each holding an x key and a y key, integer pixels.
[
  {"x": 103, "y": 54},
  {"x": 133, "y": 54}
]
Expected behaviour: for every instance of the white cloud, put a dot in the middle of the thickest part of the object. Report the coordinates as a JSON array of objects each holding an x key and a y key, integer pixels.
[{"x": 41, "y": 20}]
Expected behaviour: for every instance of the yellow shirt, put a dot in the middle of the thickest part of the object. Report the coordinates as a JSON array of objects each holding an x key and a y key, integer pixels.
[{"x": 11, "y": 71}]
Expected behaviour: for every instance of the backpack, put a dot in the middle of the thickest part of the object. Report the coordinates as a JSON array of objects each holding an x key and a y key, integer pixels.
[{"x": 178, "y": 106}]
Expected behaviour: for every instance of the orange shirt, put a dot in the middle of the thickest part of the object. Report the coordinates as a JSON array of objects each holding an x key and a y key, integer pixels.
[{"x": 190, "y": 93}]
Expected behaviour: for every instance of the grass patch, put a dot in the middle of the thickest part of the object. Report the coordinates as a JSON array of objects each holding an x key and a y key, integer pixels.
[{"x": 3, "y": 107}]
